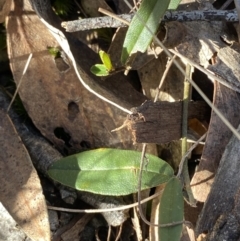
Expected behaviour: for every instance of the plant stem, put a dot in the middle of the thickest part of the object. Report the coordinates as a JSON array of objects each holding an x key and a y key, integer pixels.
[
  {"x": 184, "y": 158},
  {"x": 226, "y": 4},
  {"x": 186, "y": 98}
]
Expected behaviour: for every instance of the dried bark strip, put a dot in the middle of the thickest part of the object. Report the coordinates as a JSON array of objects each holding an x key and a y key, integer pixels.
[{"x": 161, "y": 122}]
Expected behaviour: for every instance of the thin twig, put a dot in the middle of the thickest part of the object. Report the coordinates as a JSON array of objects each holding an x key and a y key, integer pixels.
[
  {"x": 109, "y": 22},
  {"x": 186, "y": 98},
  {"x": 109, "y": 232},
  {"x": 169, "y": 64},
  {"x": 193, "y": 141},
  {"x": 144, "y": 147},
  {"x": 180, "y": 170},
  {"x": 119, "y": 233},
  {"x": 135, "y": 4},
  {"x": 96, "y": 23},
  {"x": 71, "y": 210},
  {"x": 225, "y": 5},
  {"x": 20, "y": 81}
]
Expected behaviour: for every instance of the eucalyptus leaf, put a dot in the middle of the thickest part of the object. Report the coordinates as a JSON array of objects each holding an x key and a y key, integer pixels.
[
  {"x": 138, "y": 36},
  {"x": 99, "y": 70},
  {"x": 109, "y": 171},
  {"x": 171, "y": 211}
]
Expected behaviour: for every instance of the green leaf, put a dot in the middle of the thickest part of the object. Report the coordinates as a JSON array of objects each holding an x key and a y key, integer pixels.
[
  {"x": 109, "y": 171},
  {"x": 138, "y": 36},
  {"x": 173, "y": 4},
  {"x": 171, "y": 210},
  {"x": 99, "y": 70},
  {"x": 106, "y": 60}
]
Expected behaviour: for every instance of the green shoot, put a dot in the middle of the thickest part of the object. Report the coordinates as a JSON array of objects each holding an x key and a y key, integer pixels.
[{"x": 105, "y": 68}]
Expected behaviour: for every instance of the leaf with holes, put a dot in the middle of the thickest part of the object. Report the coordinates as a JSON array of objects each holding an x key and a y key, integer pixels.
[
  {"x": 109, "y": 171},
  {"x": 171, "y": 211},
  {"x": 147, "y": 18}
]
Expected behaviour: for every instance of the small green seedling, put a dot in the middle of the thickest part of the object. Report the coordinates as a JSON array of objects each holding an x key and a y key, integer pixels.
[
  {"x": 54, "y": 51},
  {"x": 103, "y": 69},
  {"x": 144, "y": 25}
]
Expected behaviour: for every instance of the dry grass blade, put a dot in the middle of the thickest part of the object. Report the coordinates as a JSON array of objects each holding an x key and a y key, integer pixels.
[{"x": 20, "y": 81}]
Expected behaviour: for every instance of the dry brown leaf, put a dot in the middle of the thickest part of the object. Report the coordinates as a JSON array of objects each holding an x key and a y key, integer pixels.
[
  {"x": 20, "y": 189},
  {"x": 227, "y": 65},
  {"x": 151, "y": 74},
  {"x": 202, "y": 41},
  {"x": 228, "y": 102},
  {"x": 4, "y": 9},
  {"x": 9, "y": 229},
  {"x": 50, "y": 96},
  {"x": 187, "y": 234},
  {"x": 56, "y": 99},
  {"x": 74, "y": 233},
  {"x": 220, "y": 215}
]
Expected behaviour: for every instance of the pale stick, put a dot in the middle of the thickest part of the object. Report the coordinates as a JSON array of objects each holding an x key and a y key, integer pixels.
[{"x": 110, "y": 22}]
